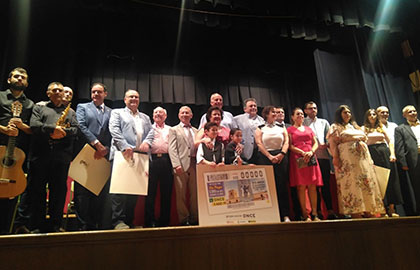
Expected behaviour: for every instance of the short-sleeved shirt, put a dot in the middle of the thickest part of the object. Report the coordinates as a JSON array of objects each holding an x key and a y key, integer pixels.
[{"x": 320, "y": 127}]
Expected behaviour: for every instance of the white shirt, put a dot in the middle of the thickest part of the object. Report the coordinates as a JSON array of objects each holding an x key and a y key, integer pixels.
[
  {"x": 254, "y": 122},
  {"x": 390, "y": 130},
  {"x": 416, "y": 131},
  {"x": 272, "y": 137},
  {"x": 227, "y": 120},
  {"x": 138, "y": 126},
  {"x": 320, "y": 127},
  {"x": 160, "y": 143},
  {"x": 188, "y": 130},
  {"x": 200, "y": 152}
]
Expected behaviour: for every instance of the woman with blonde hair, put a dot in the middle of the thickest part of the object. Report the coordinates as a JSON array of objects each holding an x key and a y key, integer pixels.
[{"x": 383, "y": 155}]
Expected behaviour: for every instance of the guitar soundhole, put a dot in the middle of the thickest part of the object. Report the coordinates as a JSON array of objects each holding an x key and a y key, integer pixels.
[{"x": 6, "y": 162}]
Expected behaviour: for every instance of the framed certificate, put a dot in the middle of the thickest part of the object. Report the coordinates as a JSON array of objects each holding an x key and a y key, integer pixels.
[{"x": 236, "y": 195}]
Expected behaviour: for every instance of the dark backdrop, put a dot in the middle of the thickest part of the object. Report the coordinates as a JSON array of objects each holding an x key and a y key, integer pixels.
[{"x": 135, "y": 46}]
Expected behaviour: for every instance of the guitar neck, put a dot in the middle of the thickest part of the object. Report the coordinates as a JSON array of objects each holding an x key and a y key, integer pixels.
[{"x": 10, "y": 148}]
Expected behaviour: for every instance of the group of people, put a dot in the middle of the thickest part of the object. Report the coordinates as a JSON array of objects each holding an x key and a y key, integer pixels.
[{"x": 302, "y": 155}]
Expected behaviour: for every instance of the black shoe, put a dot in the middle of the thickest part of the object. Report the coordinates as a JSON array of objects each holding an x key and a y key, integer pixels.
[
  {"x": 320, "y": 216},
  {"x": 332, "y": 216},
  {"x": 152, "y": 224},
  {"x": 185, "y": 223},
  {"x": 36, "y": 231},
  {"x": 22, "y": 230},
  {"x": 58, "y": 229}
]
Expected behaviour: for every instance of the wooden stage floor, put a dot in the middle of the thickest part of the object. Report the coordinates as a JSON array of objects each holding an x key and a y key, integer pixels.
[{"x": 344, "y": 244}]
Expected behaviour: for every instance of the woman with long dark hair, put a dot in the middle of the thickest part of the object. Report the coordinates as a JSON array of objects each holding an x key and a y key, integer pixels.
[
  {"x": 383, "y": 155},
  {"x": 357, "y": 186},
  {"x": 304, "y": 168}
]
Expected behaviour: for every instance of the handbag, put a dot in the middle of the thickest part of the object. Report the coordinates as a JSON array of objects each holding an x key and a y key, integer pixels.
[{"x": 302, "y": 164}]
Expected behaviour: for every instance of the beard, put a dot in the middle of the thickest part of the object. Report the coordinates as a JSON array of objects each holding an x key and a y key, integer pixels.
[{"x": 17, "y": 87}]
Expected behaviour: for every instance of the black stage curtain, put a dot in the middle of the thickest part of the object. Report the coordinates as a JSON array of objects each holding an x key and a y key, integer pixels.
[
  {"x": 339, "y": 83},
  {"x": 79, "y": 46},
  {"x": 374, "y": 74},
  {"x": 128, "y": 45}
]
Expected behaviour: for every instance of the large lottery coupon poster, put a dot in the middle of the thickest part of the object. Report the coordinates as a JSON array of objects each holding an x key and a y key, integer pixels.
[{"x": 236, "y": 195}]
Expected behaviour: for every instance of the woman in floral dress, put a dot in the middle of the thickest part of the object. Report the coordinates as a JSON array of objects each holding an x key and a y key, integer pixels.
[{"x": 357, "y": 186}]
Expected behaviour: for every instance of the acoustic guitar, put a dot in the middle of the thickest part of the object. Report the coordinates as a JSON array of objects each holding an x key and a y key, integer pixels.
[{"x": 12, "y": 177}]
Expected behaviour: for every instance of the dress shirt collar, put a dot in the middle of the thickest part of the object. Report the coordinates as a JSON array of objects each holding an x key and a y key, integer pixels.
[
  {"x": 250, "y": 117},
  {"x": 11, "y": 96},
  {"x": 131, "y": 112},
  {"x": 282, "y": 124},
  {"x": 414, "y": 124},
  {"x": 273, "y": 124},
  {"x": 310, "y": 119},
  {"x": 186, "y": 126},
  {"x": 159, "y": 127}
]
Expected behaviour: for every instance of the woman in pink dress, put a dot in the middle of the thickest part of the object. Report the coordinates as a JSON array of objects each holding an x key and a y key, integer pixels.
[{"x": 304, "y": 167}]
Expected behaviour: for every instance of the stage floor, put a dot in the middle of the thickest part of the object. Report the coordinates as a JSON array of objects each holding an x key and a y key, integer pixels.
[{"x": 386, "y": 243}]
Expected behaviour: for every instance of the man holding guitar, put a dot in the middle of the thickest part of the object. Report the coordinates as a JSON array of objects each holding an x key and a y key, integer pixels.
[{"x": 18, "y": 129}]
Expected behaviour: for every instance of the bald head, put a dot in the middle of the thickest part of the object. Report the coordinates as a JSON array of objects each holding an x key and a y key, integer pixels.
[{"x": 216, "y": 100}]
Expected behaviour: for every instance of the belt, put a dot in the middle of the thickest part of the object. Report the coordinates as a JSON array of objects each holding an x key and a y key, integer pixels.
[{"x": 160, "y": 155}]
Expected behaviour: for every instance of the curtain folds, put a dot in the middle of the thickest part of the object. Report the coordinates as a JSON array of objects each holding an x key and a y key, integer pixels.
[
  {"x": 376, "y": 75},
  {"x": 305, "y": 19},
  {"x": 160, "y": 87}
]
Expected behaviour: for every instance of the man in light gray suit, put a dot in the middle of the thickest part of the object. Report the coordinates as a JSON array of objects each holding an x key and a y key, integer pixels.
[
  {"x": 93, "y": 118},
  {"x": 130, "y": 132},
  {"x": 248, "y": 123},
  {"x": 182, "y": 153}
]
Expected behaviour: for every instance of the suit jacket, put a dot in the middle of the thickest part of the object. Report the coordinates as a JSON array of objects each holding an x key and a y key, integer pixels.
[
  {"x": 179, "y": 148},
  {"x": 248, "y": 133},
  {"x": 123, "y": 130},
  {"x": 91, "y": 125},
  {"x": 406, "y": 146}
]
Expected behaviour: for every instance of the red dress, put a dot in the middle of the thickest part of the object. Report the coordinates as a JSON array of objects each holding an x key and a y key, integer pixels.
[{"x": 308, "y": 175}]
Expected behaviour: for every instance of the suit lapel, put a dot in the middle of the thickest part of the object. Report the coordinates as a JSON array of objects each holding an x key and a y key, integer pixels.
[
  {"x": 181, "y": 130},
  {"x": 410, "y": 131},
  {"x": 95, "y": 112}
]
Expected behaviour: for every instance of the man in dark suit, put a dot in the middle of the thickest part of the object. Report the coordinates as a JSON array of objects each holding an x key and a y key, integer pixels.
[
  {"x": 54, "y": 129},
  {"x": 93, "y": 118},
  {"x": 407, "y": 150},
  {"x": 182, "y": 152}
]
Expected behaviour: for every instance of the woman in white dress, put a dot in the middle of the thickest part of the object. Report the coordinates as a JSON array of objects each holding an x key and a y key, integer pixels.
[{"x": 357, "y": 187}]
